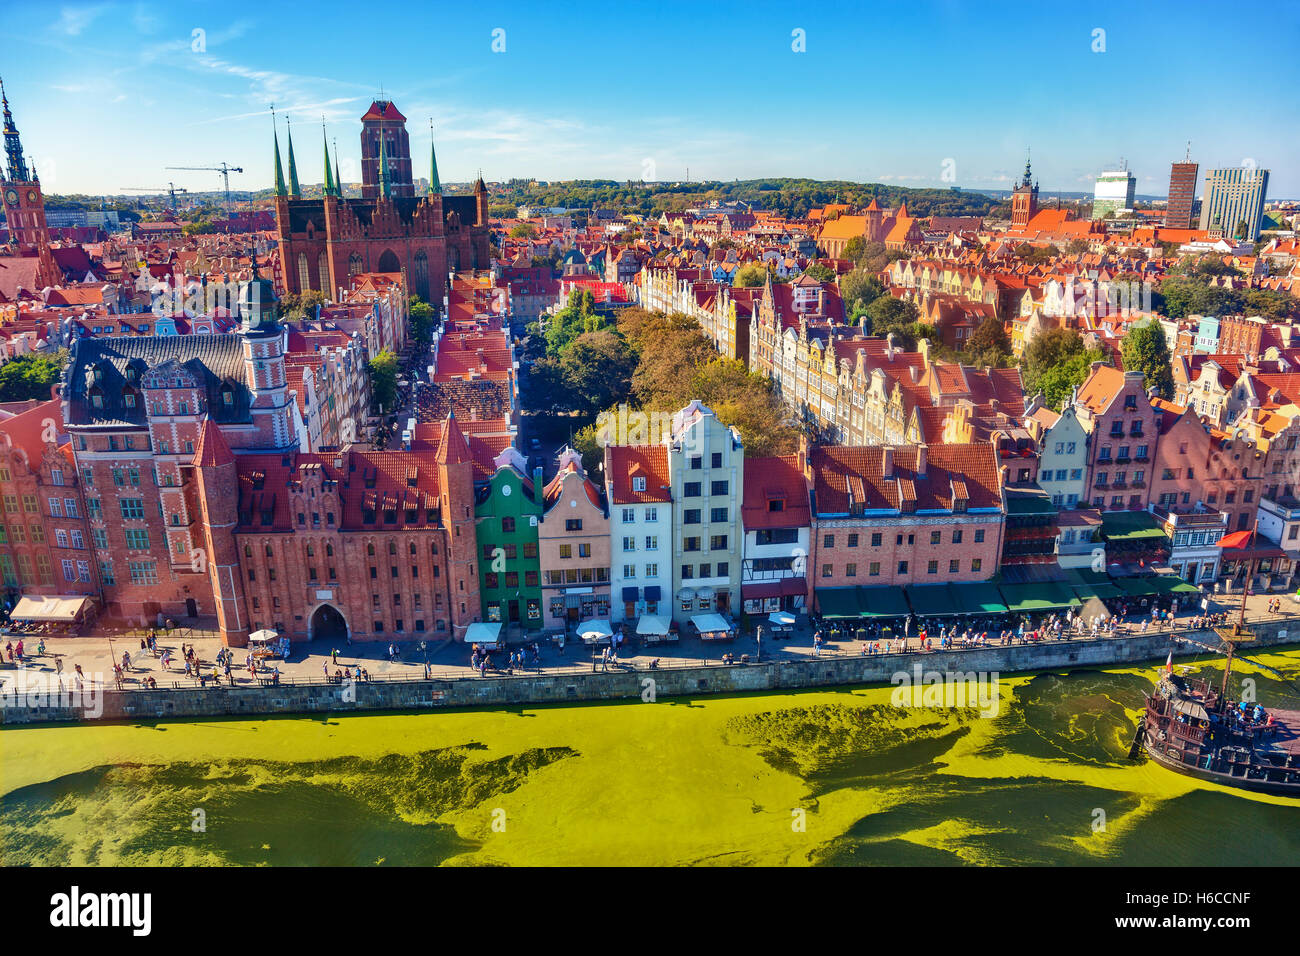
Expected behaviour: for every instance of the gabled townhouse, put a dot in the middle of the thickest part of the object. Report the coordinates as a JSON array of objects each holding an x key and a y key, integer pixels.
[
  {"x": 1123, "y": 430},
  {"x": 777, "y": 523},
  {"x": 639, "y": 491},
  {"x": 1063, "y": 453},
  {"x": 706, "y": 471},
  {"x": 574, "y": 547},
  {"x": 508, "y": 510}
]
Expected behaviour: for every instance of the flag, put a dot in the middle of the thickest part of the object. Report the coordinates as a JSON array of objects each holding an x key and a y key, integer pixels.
[{"x": 1169, "y": 662}]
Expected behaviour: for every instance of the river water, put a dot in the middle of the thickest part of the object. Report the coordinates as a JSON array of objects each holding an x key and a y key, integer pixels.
[{"x": 837, "y": 777}]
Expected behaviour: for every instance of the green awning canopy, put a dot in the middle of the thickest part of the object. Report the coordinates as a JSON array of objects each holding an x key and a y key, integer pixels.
[
  {"x": 838, "y": 603},
  {"x": 1039, "y": 597},
  {"x": 882, "y": 602},
  {"x": 1163, "y": 584},
  {"x": 931, "y": 600},
  {"x": 1131, "y": 528},
  {"x": 1087, "y": 583},
  {"x": 978, "y": 597}
]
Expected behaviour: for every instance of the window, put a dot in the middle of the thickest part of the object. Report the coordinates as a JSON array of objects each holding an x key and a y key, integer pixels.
[
  {"x": 638, "y": 484},
  {"x": 902, "y": 567},
  {"x": 690, "y": 544},
  {"x": 721, "y": 488},
  {"x": 566, "y": 551},
  {"x": 931, "y": 568},
  {"x": 828, "y": 541},
  {"x": 718, "y": 542},
  {"x": 652, "y": 514},
  {"x": 688, "y": 572},
  {"x": 956, "y": 536},
  {"x": 934, "y": 537},
  {"x": 105, "y": 572},
  {"x": 717, "y": 459},
  {"x": 979, "y": 536},
  {"x": 61, "y": 539},
  {"x": 573, "y": 524},
  {"x": 629, "y": 544},
  {"x": 954, "y": 566},
  {"x": 697, "y": 462},
  {"x": 691, "y": 516},
  {"x": 144, "y": 572},
  {"x": 718, "y": 514},
  {"x": 976, "y": 564},
  {"x": 652, "y": 570},
  {"x": 652, "y": 542},
  {"x": 132, "y": 507},
  {"x": 875, "y": 539},
  {"x": 629, "y": 515},
  {"x": 70, "y": 507},
  {"x": 137, "y": 539},
  {"x": 629, "y": 570},
  {"x": 828, "y": 570},
  {"x": 507, "y": 525},
  {"x": 873, "y": 570},
  {"x": 56, "y": 507},
  {"x": 850, "y": 570},
  {"x": 691, "y": 489}
]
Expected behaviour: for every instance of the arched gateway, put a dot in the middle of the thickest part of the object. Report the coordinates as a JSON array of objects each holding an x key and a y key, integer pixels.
[{"x": 328, "y": 624}]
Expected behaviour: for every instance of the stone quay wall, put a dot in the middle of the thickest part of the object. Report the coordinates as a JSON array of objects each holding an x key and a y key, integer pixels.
[{"x": 505, "y": 691}]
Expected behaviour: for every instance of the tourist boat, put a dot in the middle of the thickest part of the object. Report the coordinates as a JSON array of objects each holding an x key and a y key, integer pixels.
[{"x": 1192, "y": 728}]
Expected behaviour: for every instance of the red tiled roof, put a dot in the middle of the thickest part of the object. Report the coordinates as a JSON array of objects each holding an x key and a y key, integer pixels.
[
  {"x": 780, "y": 479},
  {"x": 631, "y": 461},
  {"x": 855, "y": 473}
]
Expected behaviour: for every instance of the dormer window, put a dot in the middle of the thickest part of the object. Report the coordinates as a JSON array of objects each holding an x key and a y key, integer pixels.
[
  {"x": 128, "y": 398},
  {"x": 227, "y": 396},
  {"x": 638, "y": 484}
]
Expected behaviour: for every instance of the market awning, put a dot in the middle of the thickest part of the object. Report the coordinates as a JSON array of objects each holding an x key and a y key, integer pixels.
[
  {"x": 771, "y": 589},
  {"x": 1132, "y": 529},
  {"x": 931, "y": 600},
  {"x": 978, "y": 597},
  {"x": 1086, "y": 583},
  {"x": 264, "y": 636},
  {"x": 483, "y": 633},
  {"x": 881, "y": 602},
  {"x": 1039, "y": 597},
  {"x": 781, "y": 619},
  {"x": 630, "y": 594},
  {"x": 839, "y": 602},
  {"x": 652, "y": 592},
  {"x": 710, "y": 623},
  {"x": 50, "y": 608},
  {"x": 1156, "y": 585},
  {"x": 651, "y": 625},
  {"x": 595, "y": 630}
]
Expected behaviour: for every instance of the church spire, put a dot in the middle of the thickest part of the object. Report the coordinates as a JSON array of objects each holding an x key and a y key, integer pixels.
[
  {"x": 13, "y": 145},
  {"x": 279, "y": 171},
  {"x": 435, "y": 184},
  {"x": 329, "y": 174},
  {"x": 1025, "y": 181},
  {"x": 338, "y": 178},
  {"x": 294, "y": 191},
  {"x": 383, "y": 168}
]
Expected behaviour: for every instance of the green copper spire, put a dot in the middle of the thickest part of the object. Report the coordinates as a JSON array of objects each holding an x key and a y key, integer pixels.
[
  {"x": 435, "y": 185},
  {"x": 279, "y": 172},
  {"x": 330, "y": 189},
  {"x": 383, "y": 168},
  {"x": 294, "y": 191}
]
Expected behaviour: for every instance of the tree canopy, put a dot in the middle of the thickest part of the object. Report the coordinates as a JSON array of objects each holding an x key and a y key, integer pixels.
[
  {"x": 382, "y": 371},
  {"x": 30, "y": 377},
  {"x": 1144, "y": 349}
]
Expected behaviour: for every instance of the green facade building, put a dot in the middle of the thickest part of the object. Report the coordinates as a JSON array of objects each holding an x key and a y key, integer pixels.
[{"x": 507, "y": 511}]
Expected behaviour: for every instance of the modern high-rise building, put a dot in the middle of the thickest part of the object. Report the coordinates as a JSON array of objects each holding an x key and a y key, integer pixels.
[
  {"x": 1182, "y": 195},
  {"x": 1115, "y": 190},
  {"x": 1233, "y": 204}
]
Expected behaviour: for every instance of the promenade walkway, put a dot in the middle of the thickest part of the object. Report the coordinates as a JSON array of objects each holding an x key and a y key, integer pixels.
[{"x": 448, "y": 660}]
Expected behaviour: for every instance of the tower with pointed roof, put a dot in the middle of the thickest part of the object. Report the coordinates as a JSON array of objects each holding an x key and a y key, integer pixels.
[
  {"x": 270, "y": 406},
  {"x": 386, "y": 147},
  {"x": 326, "y": 241},
  {"x": 24, "y": 203},
  {"x": 295, "y": 192},
  {"x": 218, "y": 500},
  {"x": 1024, "y": 199}
]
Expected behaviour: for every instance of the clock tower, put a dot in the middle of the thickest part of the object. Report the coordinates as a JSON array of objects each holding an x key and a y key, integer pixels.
[{"x": 24, "y": 206}]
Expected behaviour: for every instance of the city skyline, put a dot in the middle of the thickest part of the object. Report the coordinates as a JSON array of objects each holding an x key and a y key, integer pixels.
[{"x": 519, "y": 93}]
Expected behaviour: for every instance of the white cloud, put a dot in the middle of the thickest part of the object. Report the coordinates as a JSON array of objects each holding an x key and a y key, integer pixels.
[{"x": 73, "y": 20}]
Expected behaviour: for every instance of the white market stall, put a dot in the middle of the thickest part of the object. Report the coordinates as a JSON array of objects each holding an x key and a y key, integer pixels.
[
  {"x": 595, "y": 632},
  {"x": 483, "y": 634},
  {"x": 653, "y": 629},
  {"x": 267, "y": 643},
  {"x": 713, "y": 627},
  {"x": 781, "y": 620}
]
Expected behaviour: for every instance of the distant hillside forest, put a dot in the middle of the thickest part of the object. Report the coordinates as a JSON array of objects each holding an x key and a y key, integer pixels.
[{"x": 789, "y": 197}]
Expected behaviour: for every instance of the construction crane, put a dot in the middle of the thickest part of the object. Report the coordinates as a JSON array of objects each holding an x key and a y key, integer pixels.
[
  {"x": 225, "y": 172},
  {"x": 171, "y": 192}
]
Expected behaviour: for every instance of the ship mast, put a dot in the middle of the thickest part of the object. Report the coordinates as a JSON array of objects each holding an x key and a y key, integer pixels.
[{"x": 1238, "y": 631}]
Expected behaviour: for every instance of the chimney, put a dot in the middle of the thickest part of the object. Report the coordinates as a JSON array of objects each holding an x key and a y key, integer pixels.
[
  {"x": 889, "y": 346},
  {"x": 920, "y": 460},
  {"x": 887, "y": 463},
  {"x": 538, "y": 489}
]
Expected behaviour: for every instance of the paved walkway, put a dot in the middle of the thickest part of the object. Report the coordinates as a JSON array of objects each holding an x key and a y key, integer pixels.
[{"x": 446, "y": 659}]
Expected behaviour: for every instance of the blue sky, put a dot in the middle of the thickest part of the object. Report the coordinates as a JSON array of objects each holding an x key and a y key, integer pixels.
[{"x": 108, "y": 94}]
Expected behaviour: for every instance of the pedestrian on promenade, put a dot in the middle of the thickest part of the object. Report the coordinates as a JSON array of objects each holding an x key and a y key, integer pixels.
[
  {"x": 334, "y": 655},
  {"x": 604, "y": 659},
  {"x": 58, "y": 666},
  {"x": 817, "y": 643},
  {"x": 326, "y": 668},
  {"x": 18, "y": 651}
]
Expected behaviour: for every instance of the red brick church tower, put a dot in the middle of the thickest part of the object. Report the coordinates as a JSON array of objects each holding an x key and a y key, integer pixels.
[
  {"x": 1024, "y": 200},
  {"x": 324, "y": 242},
  {"x": 24, "y": 204}
]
